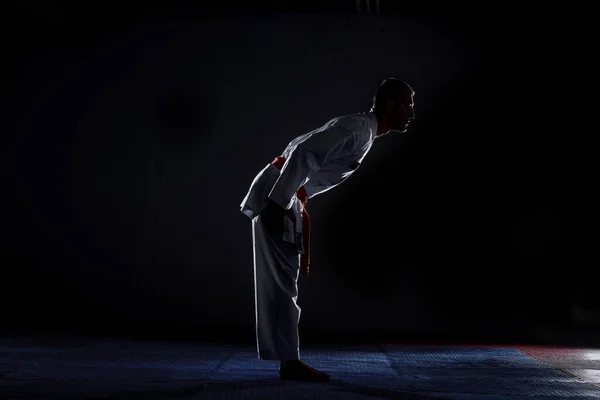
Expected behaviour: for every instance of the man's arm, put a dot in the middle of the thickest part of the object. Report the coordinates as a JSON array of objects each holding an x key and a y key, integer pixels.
[{"x": 307, "y": 157}]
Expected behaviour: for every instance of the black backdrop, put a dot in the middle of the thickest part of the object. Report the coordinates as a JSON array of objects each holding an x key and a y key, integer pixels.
[{"x": 133, "y": 135}]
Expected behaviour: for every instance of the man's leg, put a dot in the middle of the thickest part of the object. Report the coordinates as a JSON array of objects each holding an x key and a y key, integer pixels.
[{"x": 276, "y": 268}]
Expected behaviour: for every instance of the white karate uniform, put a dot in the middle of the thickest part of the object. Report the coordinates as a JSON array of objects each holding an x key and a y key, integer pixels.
[{"x": 318, "y": 160}]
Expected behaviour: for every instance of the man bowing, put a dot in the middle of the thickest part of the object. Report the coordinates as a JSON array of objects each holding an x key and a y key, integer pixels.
[{"x": 311, "y": 164}]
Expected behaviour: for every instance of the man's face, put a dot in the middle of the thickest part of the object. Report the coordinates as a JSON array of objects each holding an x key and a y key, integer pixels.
[{"x": 400, "y": 113}]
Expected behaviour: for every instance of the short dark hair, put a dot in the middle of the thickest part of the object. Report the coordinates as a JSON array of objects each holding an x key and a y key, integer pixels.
[{"x": 390, "y": 89}]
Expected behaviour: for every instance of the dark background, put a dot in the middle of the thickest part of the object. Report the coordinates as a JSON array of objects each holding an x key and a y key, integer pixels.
[{"x": 132, "y": 135}]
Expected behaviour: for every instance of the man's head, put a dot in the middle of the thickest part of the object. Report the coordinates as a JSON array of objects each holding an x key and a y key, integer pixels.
[{"x": 393, "y": 105}]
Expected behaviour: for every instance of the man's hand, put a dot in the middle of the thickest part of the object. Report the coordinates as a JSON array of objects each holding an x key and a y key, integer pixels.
[{"x": 272, "y": 216}]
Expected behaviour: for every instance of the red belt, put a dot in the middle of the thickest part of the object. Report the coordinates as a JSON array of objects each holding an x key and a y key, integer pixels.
[{"x": 303, "y": 197}]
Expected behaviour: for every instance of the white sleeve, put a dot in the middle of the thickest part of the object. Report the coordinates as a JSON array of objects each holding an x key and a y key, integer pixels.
[{"x": 307, "y": 157}]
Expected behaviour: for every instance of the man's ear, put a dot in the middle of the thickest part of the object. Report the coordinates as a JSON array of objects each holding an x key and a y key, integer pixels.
[{"x": 390, "y": 105}]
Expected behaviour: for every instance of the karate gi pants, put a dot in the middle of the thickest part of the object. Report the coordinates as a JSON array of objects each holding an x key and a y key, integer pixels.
[{"x": 276, "y": 270}]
